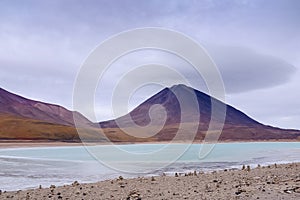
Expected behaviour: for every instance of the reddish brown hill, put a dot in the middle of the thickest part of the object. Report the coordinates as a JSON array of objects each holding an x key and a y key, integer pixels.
[
  {"x": 25, "y": 119},
  {"x": 16, "y": 105}
]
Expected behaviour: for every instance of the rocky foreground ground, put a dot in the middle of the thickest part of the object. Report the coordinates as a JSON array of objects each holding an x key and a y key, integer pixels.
[{"x": 268, "y": 182}]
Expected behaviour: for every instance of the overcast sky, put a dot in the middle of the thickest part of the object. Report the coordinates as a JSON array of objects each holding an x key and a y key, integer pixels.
[{"x": 255, "y": 44}]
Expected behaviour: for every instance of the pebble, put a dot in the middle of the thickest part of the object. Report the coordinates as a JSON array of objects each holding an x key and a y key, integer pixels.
[
  {"x": 135, "y": 195},
  {"x": 248, "y": 168},
  {"x": 287, "y": 191},
  {"x": 243, "y": 167},
  {"x": 75, "y": 183}
]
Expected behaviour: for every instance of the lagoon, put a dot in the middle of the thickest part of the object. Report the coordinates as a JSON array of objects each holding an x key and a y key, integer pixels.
[{"x": 24, "y": 168}]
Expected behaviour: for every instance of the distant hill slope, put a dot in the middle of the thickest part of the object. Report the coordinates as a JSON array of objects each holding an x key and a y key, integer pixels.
[
  {"x": 238, "y": 126},
  {"x": 25, "y": 119},
  {"x": 19, "y": 106}
]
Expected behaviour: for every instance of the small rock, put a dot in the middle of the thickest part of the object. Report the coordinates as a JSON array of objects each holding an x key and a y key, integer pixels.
[
  {"x": 297, "y": 189},
  {"x": 75, "y": 183},
  {"x": 240, "y": 191},
  {"x": 52, "y": 186},
  {"x": 134, "y": 195},
  {"x": 195, "y": 173},
  {"x": 176, "y": 174},
  {"x": 121, "y": 178},
  {"x": 287, "y": 191},
  {"x": 40, "y": 186},
  {"x": 152, "y": 178},
  {"x": 248, "y": 168},
  {"x": 208, "y": 188}
]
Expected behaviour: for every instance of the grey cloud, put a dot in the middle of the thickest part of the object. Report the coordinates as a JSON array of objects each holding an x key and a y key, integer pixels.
[
  {"x": 277, "y": 106},
  {"x": 244, "y": 69}
]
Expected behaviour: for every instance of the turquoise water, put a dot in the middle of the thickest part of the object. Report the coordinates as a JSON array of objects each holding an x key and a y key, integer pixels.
[{"x": 22, "y": 168}]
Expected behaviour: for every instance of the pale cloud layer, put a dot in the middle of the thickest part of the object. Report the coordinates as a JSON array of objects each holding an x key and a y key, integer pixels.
[{"x": 255, "y": 44}]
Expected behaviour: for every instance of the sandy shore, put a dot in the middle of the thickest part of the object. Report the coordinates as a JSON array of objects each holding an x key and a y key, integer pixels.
[
  {"x": 30, "y": 143},
  {"x": 25, "y": 144},
  {"x": 271, "y": 182}
]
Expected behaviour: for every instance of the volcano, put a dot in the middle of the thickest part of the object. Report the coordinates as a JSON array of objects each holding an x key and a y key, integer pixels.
[{"x": 196, "y": 113}]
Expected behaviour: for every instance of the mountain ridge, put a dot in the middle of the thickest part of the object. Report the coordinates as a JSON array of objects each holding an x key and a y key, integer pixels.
[{"x": 22, "y": 118}]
